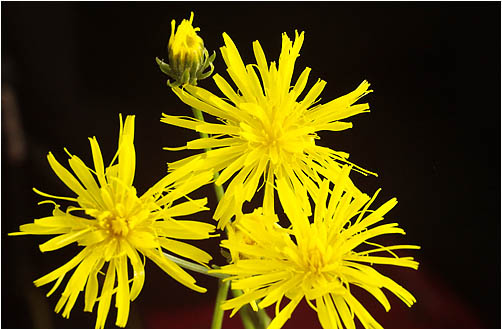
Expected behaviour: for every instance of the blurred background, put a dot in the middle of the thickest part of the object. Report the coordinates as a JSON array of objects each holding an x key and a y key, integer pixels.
[{"x": 433, "y": 136}]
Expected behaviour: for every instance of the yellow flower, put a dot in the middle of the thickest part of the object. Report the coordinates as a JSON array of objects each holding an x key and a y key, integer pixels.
[
  {"x": 264, "y": 130},
  {"x": 235, "y": 233},
  {"x": 188, "y": 58},
  {"x": 185, "y": 43},
  {"x": 113, "y": 224},
  {"x": 318, "y": 261}
]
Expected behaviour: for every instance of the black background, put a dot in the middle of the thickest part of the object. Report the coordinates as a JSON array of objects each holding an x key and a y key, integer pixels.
[{"x": 433, "y": 134}]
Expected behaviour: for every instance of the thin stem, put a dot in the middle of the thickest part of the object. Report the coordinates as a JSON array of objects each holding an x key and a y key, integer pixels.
[
  {"x": 222, "y": 287},
  {"x": 221, "y": 295},
  {"x": 250, "y": 319},
  {"x": 217, "y": 189},
  {"x": 246, "y": 313},
  {"x": 263, "y": 318}
]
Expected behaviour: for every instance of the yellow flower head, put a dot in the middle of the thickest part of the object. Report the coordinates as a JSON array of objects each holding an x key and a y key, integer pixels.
[
  {"x": 265, "y": 130},
  {"x": 185, "y": 44},
  {"x": 115, "y": 227},
  {"x": 188, "y": 58},
  {"x": 318, "y": 261},
  {"x": 235, "y": 233}
]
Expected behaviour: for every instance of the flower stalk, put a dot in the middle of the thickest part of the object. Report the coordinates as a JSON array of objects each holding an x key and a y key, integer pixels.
[
  {"x": 218, "y": 190},
  {"x": 249, "y": 320},
  {"x": 221, "y": 296}
]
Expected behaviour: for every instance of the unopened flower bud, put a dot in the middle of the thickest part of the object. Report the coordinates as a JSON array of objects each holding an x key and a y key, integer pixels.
[{"x": 188, "y": 58}]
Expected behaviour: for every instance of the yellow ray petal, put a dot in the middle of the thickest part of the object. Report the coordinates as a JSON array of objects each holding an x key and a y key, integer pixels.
[
  {"x": 138, "y": 270},
  {"x": 173, "y": 270},
  {"x": 106, "y": 295},
  {"x": 185, "y": 250},
  {"x": 285, "y": 313},
  {"x": 63, "y": 240},
  {"x": 122, "y": 297}
]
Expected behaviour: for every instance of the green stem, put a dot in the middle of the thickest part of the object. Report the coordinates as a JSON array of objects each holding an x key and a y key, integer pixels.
[
  {"x": 246, "y": 313},
  {"x": 222, "y": 292},
  {"x": 217, "y": 189},
  {"x": 263, "y": 318},
  {"x": 250, "y": 319},
  {"x": 221, "y": 295}
]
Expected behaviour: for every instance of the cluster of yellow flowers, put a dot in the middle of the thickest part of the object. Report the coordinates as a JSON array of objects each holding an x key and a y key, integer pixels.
[{"x": 266, "y": 137}]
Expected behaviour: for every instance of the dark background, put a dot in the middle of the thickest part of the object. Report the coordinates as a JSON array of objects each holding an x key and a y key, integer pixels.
[{"x": 433, "y": 136}]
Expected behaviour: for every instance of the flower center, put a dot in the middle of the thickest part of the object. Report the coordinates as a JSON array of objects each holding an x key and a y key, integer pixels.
[
  {"x": 279, "y": 139},
  {"x": 121, "y": 211},
  {"x": 314, "y": 261},
  {"x": 115, "y": 224},
  {"x": 119, "y": 226},
  {"x": 318, "y": 260}
]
